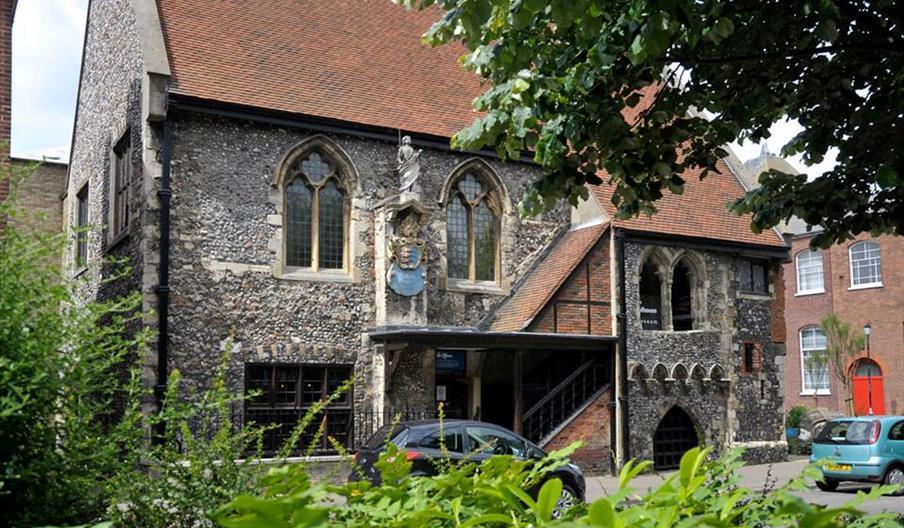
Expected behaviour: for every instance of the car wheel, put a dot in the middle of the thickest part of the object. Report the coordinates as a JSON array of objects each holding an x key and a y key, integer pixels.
[
  {"x": 827, "y": 484},
  {"x": 895, "y": 475},
  {"x": 567, "y": 500}
]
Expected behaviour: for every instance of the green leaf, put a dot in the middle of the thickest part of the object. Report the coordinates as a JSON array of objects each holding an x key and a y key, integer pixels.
[
  {"x": 548, "y": 498},
  {"x": 602, "y": 514}
]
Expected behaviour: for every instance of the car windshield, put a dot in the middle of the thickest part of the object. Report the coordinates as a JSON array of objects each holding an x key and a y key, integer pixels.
[
  {"x": 389, "y": 432},
  {"x": 845, "y": 432}
]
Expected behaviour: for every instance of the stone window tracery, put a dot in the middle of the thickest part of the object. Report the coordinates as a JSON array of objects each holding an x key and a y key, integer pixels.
[
  {"x": 316, "y": 212},
  {"x": 473, "y": 215}
]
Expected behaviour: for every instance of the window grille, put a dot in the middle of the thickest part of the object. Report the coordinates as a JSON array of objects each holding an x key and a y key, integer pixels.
[{"x": 280, "y": 395}]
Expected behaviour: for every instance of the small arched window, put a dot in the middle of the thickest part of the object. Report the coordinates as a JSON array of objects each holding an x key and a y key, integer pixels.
[
  {"x": 866, "y": 264},
  {"x": 316, "y": 212},
  {"x": 473, "y": 213},
  {"x": 809, "y": 272},
  {"x": 650, "y": 298},
  {"x": 682, "y": 297}
]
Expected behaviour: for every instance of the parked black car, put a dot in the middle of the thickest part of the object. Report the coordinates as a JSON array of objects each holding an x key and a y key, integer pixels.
[{"x": 476, "y": 441}]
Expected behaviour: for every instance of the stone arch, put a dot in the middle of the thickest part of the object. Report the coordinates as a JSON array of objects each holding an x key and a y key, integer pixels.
[
  {"x": 326, "y": 147},
  {"x": 652, "y": 273},
  {"x": 639, "y": 372},
  {"x": 698, "y": 373},
  {"x": 717, "y": 373},
  {"x": 676, "y": 433},
  {"x": 679, "y": 372},
  {"x": 660, "y": 372},
  {"x": 484, "y": 170},
  {"x": 686, "y": 291}
]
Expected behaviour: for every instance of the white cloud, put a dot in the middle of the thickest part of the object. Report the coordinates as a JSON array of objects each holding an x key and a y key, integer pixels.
[{"x": 47, "y": 48}]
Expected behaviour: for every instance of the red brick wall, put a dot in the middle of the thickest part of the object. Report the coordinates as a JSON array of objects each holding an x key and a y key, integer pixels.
[
  {"x": 581, "y": 306},
  {"x": 591, "y": 427},
  {"x": 882, "y": 307}
]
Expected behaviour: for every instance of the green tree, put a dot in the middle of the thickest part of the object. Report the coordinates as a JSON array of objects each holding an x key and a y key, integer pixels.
[
  {"x": 645, "y": 89},
  {"x": 843, "y": 342}
]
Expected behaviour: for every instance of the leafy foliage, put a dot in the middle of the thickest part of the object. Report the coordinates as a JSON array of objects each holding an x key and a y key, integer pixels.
[
  {"x": 794, "y": 415},
  {"x": 645, "y": 90},
  {"x": 702, "y": 492},
  {"x": 843, "y": 342},
  {"x": 64, "y": 363}
]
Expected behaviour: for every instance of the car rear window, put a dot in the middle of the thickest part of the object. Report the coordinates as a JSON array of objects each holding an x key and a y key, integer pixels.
[
  {"x": 450, "y": 438},
  {"x": 390, "y": 432},
  {"x": 847, "y": 432}
]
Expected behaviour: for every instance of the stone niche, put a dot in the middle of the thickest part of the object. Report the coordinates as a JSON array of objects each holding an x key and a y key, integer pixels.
[{"x": 401, "y": 261}]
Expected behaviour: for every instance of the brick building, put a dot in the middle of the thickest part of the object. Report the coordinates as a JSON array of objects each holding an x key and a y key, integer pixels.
[
  {"x": 862, "y": 281},
  {"x": 7, "y": 11},
  {"x": 254, "y": 185}
]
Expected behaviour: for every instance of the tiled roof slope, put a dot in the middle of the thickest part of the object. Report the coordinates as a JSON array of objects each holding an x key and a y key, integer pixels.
[
  {"x": 358, "y": 61},
  {"x": 543, "y": 281},
  {"x": 702, "y": 211}
]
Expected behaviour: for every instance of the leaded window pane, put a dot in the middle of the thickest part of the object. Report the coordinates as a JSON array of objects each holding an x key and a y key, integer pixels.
[
  {"x": 485, "y": 242},
  {"x": 809, "y": 271},
  {"x": 457, "y": 238},
  {"x": 470, "y": 187},
  {"x": 299, "y": 200},
  {"x": 331, "y": 226},
  {"x": 866, "y": 264},
  {"x": 315, "y": 168}
]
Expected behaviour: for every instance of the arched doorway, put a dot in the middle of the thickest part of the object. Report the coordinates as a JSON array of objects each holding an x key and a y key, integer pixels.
[
  {"x": 866, "y": 378},
  {"x": 674, "y": 436}
]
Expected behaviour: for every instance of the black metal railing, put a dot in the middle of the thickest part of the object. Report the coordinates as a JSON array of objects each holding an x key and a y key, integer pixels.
[{"x": 586, "y": 383}]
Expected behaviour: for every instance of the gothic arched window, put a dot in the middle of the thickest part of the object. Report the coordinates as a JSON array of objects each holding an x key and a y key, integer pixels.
[
  {"x": 682, "y": 297},
  {"x": 316, "y": 212},
  {"x": 473, "y": 211},
  {"x": 650, "y": 298}
]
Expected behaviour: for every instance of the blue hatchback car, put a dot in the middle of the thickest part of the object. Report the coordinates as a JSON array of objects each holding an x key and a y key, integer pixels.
[{"x": 861, "y": 449}]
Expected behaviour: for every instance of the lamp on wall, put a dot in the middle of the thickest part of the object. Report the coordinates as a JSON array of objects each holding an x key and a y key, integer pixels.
[{"x": 867, "y": 330}]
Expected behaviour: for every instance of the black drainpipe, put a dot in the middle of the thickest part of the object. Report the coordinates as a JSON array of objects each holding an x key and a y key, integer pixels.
[
  {"x": 623, "y": 343},
  {"x": 162, "y": 289}
]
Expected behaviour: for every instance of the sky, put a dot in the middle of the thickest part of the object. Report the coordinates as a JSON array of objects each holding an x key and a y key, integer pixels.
[
  {"x": 47, "y": 53},
  {"x": 47, "y": 46}
]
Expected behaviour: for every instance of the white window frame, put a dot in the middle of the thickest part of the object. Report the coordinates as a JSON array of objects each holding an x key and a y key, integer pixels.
[
  {"x": 809, "y": 254},
  {"x": 864, "y": 285},
  {"x": 804, "y": 391}
]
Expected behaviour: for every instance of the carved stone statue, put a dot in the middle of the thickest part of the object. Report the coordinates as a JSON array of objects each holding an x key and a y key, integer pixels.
[
  {"x": 407, "y": 273},
  {"x": 409, "y": 165}
]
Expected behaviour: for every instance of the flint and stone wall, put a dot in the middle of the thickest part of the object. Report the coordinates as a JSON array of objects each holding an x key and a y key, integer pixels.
[
  {"x": 221, "y": 257},
  {"x": 744, "y": 408}
]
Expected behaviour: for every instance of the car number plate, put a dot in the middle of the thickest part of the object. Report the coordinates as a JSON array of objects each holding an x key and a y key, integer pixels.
[{"x": 837, "y": 467}]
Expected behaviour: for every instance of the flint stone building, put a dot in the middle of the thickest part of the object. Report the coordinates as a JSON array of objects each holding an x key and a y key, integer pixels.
[{"x": 247, "y": 162}]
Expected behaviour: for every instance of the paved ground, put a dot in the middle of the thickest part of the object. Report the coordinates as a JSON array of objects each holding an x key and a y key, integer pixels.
[{"x": 754, "y": 477}]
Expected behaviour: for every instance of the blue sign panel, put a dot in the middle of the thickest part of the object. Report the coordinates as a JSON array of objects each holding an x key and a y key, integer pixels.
[{"x": 450, "y": 362}]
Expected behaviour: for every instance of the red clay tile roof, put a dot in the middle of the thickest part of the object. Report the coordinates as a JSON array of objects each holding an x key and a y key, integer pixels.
[
  {"x": 359, "y": 61},
  {"x": 702, "y": 211},
  {"x": 544, "y": 280}
]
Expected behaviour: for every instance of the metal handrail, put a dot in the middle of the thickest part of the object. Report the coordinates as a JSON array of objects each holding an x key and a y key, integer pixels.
[{"x": 558, "y": 388}]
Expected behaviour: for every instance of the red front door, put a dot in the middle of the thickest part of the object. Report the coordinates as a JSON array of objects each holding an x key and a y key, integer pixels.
[{"x": 861, "y": 387}]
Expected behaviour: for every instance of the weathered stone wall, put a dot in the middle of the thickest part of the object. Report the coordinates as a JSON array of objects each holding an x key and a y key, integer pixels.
[
  {"x": 745, "y": 408},
  {"x": 109, "y": 105},
  {"x": 222, "y": 257}
]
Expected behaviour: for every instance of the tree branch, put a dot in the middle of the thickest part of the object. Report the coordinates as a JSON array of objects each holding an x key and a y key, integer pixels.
[{"x": 875, "y": 48}]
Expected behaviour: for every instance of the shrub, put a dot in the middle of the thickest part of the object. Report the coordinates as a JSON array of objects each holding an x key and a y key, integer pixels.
[
  {"x": 792, "y": 419},
  {"x": 702, "y": 492},
  {"x": 62, "y": 436}
]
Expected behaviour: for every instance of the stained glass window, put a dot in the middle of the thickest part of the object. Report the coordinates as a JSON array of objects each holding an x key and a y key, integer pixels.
[
  {"x": 472, "y": 230},
  {"x": 315, "y": 216}
]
